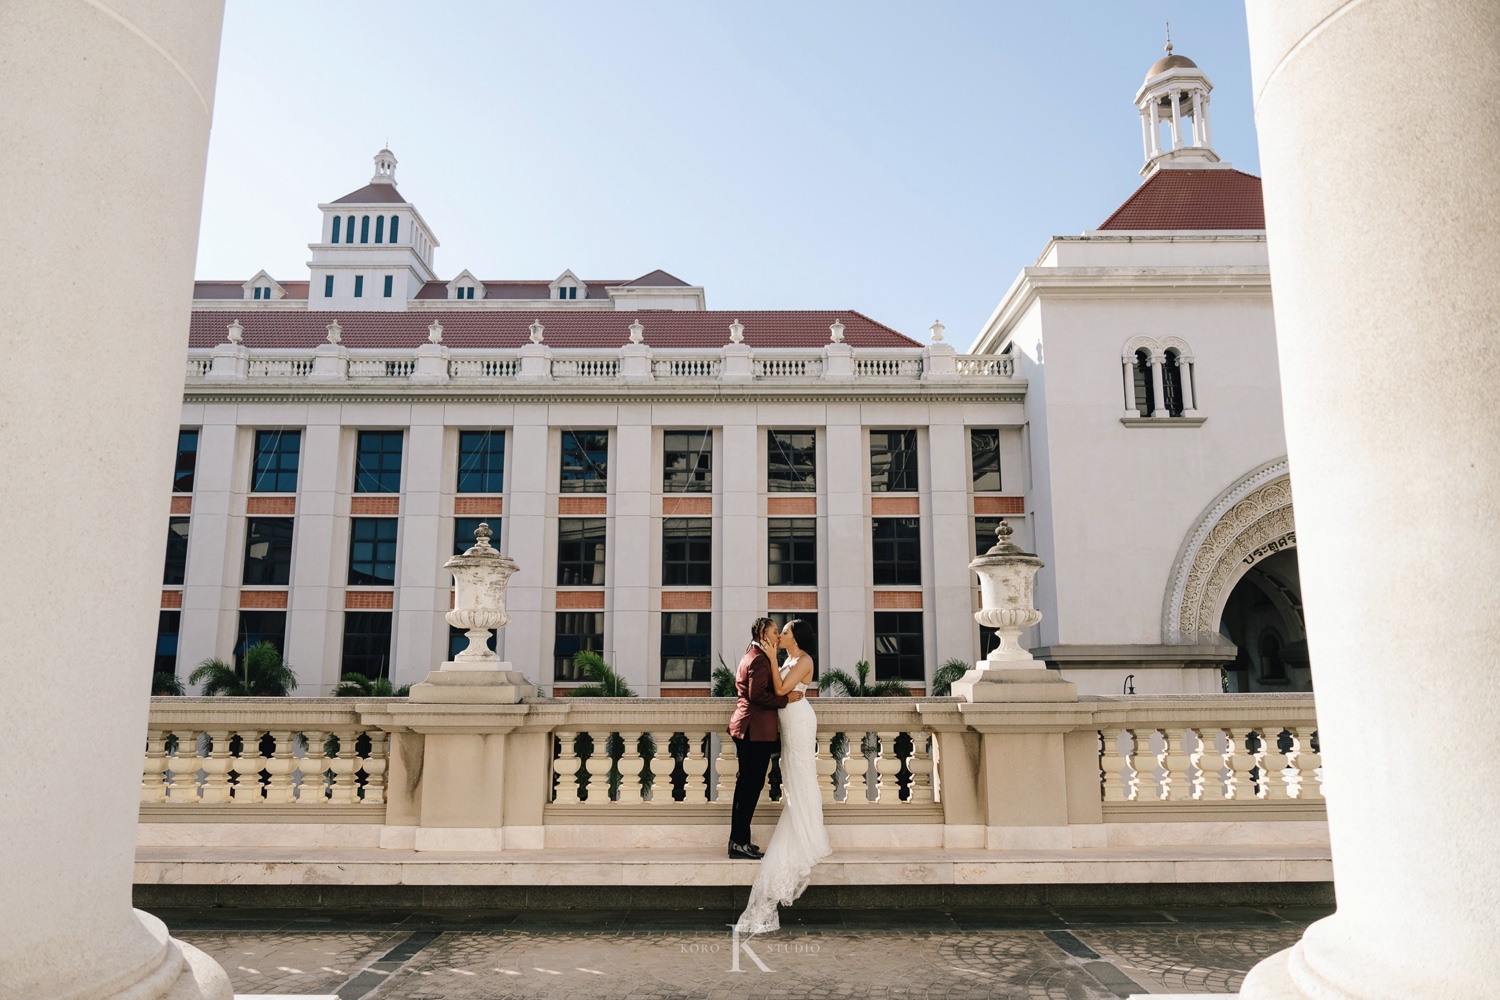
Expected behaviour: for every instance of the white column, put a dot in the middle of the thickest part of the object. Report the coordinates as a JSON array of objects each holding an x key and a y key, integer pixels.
[
  {"x": 1185, "y": 379},
  {"x": 1157, "y": 360},
  {"x": 210, "y": 591},
  {"x": 1197, "y": 120},
  {"x": 844, "y": 538},
  {"x": 420, "y": 638},
  {"x": 320, "y": 552},
  {"x": 946, "y": 474},
  {"x": 739, "y": 478},
  {"x": 1176, "y": 119},
  {"x": 632, "y": 551},
  {"x": 106, "y": 118},
  {"x": 1146, "y": 132},
  {"x": 1400, "y": 626},
  {"x": 1208, "y": 135},
  {"x": 1128, "y": 364},
  {"x": 531, "y": 533},
  {"x": 1155, "y": 129}
]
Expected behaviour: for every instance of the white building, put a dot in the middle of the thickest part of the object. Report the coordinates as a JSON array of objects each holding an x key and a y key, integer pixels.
[{"x": 1157, "y": 464}]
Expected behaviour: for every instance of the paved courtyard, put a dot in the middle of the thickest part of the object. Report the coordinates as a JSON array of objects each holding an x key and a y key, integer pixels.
[{"x": 1027, "y": 954}]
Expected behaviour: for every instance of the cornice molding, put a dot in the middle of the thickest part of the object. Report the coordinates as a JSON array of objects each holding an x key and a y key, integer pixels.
[{"x": 1013, "y": 392}]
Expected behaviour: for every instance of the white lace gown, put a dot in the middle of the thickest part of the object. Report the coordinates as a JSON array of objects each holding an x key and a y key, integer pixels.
[{"x": 800, "y": 840}]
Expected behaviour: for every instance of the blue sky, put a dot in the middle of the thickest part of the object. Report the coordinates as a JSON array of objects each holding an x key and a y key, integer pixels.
[{"x": 902, "y": 159}]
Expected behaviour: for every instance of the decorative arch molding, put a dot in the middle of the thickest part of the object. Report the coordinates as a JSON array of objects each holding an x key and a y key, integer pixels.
[{"x": 1243, "y": 525}]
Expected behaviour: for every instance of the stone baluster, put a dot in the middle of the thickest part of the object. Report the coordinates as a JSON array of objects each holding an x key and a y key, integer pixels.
[
  {"x": 184, "y": 768},
  {"x": 1241, "y": 761},
  {"x": 216, "y": 768},
  {"x": 631, "y": 765},
  {"x": 280, "y": 767},
  {"x": 827, "y": 768},
  {"x": 727, "y": 766},
  {"x": 1178, "y": 763},
  {"x": 1272, "y": 763},
  {"x": 565, "y": 766},
  {"x": 247, "y": 767},
  {"x": 345, "y": 767},
  {"x": 1210, "y": 760},
  {"x": 694, "y": 767},
  {"x": 1118, "y": 776},
  {"x": 659, "y": 760},
  {"x": 153, "y": 775},
  {"x": 887, "y": 768},
  {"x": 313, "y": 765},
  {"x": 374, "y": 768},
  {"x": 1307, "y": 761},
  {"x": 597, "y": 765},
  {"x": 920, "y": 766},
  {"x": 1144, "y": 762}
]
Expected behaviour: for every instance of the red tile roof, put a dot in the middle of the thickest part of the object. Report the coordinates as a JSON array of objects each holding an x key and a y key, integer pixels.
[
  {"x": 236, "y": 289},
  {"x": 376, "y": 194},
  {"x": 1193, "y": 199},
  {"x": 509, "y": 329},
  {"x": 658, "y": 279},
  {"x": 516, "y": 289}
]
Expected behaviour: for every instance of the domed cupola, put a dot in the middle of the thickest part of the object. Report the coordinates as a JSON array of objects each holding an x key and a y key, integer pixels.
[{"x": 1174, "y": 99}]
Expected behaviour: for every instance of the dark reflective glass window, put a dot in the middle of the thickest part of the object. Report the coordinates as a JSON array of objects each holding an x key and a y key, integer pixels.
[
  {"x": 792, "y": 556},
  {"x": 372, "y": 551},
  {"x": 395, "y": 228},
  {"x": 268, "y": 551},
  {"x": 896, "y": 544},
  {"x": 364, "y": 229},
  {"x": 458, "y": 641},
  {"x": 259, "y": 626},
  {"x": 187, "y": 461},
  {"x": 687, "y": 462},
  {"x": 899, "y": 646},
  {"x": 576, "y": 631},
  {"x": 327, "y": 286},
  {"x": 1171, "y": 384},
  {"x": 389, "y": 285},
  {"x": 463, "y": 532},
  {"x": 168, "y": 625},
  {"x": 379, "y": 229},
  {"x": 367, "y": 644},
  {"x": 791, "y": 462},
  {"x": 177, "y": 542},
  {"x": 378, "y": 462},
  {"x": 685, "y": 641},
  {"x": 580, "y": 551},
  {"x": 687, "y": 552},
  {"x": 275, "y": 469},
  {"x": 984, "y": 533},
  {"x": 1145, "y": 386},
  {"x": 585, "y": 460},
  {"x": 893, "y": 461},
  {"x": 336, "y": 230},
  {"x": 359, "y": 286},
  {"x": 984, "y": 454},
  {"x": 481, "y": 461},
  {"x": 811, "y": 617}
]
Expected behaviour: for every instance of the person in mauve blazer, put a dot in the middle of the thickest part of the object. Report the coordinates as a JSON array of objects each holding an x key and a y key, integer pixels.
[{"x": 755, "y": 731}]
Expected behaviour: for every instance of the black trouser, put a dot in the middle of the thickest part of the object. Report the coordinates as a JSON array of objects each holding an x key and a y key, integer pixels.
[{"x": 755, "y": 758}]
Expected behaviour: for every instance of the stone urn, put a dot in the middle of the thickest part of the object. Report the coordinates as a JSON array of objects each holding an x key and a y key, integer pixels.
[
  {"x": 1007, "y": 574},
  {"x": 477, "y": 675}
]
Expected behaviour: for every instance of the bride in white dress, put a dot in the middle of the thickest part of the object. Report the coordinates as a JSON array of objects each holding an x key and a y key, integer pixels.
[{"x": 799, "y": 841}]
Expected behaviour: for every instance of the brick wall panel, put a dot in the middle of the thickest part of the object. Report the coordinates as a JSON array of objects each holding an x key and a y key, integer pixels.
[
  {"x": 367, "y": 506},
  {"x": 171, "y": 598},
  {"x": 792, "y": 506},
  {"x": 263, "y": 599},
  {"x": 792, "y": 600},
  {"x": 478, "y": 506},
  {"x": 687, "y": 506},
  {"x": 271, "y": 505},
  {"x": 582, "y": 506},
  {"x": 580, "y": 600},
  {"x": 368, "y": 600},
  {"x": 894, "y": 506},
  {"x": 692, "y": 600},
  {"x": 999, "y": 505},
  {"x": 182, "y": 505},
  {"x": 898, "y": 600}
]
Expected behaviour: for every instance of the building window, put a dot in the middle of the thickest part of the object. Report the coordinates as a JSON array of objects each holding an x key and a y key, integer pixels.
[
  {"x": 580, "y": 551},
  {"x": 168, "y": 627},
  {"x": 364, "y": 229},
  {"x": 811, "y": 617},
  {"x": 177, "y": 542},
  {"x": 327, "y": 286},
  {"x": 899, "y": 646},
  {"x": 458, "y": 641},
  {"x": 576, "y": 631},
  {"x": 359, "y": 286},
  {"x": 685, "y": 641},
  {"x": 259, "y": 626},
  {"x": 984, "y": 456},
  {"x": 792, "y": 552},
  {"x": 372, "y": 551},
  {"x": 377, "y": 467},
  {"x": 464, "y": 292},
  {"x": 349, "y": 231},
  {"x": 585, "y": 460},
  {"x": 187, "y": 461},
  {"x": 567, "y": 293},
  {"x": 1145, "y": 387},
  {"x": 275, "y": 468},
  {"x": 687, "y": 462},
  {"x": 481, "y": 461},
  {"x": 268, "y": 551},
  {"x": 893, "y": 461},
  {"x": 791, "y": 462},
  {"x": 379, "y": 229},
  {"x": 1171, "y": 383},
  {"x": 687, "y": 552},
  {"x": 984, "y": 533},
  {"x": 463, "y": 532},
  {"x": 896, "y": 544},
  {"x": 367, "y": 644},
  {"x": 336, "y": 229},
  {"x": 395, "y": 227},
  {"x": 390, "y": 283}
]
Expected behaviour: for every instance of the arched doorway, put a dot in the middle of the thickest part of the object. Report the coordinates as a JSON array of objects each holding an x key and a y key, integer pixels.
[{"x": 1263, "y": 618}]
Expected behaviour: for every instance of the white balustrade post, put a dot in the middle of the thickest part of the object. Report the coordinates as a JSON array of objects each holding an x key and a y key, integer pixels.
[
  {"x": 215, "y": 768},
  {"x": 345, "y": 768},
  {"x": 565, "y": 765},
  {"x": 630, "y": 767},
  {"x": 921, "y": 767},
  {"x": 1273, "y": 763},
  {"x": 658, "y": 761},
  {"x": 313, "y": 766},
  {"x": 727, "y": 766},
  {"x": 1307, "y": 761},
  {"x": 598, "y": 765},
  {"x": 374, "y": 767},
  {"x": 1241, "y": 786},
  {"x": 695, "y": 766},
  {"x": 280, "y": 766},
  {"x": 887, "y": 768},
  {"x": 1114, "y": 767}
]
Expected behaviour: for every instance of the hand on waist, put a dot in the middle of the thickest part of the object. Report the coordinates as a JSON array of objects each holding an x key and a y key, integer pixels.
[{"x": 793, "y": 696}]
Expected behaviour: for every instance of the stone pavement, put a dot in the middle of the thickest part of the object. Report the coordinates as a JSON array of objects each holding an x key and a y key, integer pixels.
[{"x": 1021, "y": 953}]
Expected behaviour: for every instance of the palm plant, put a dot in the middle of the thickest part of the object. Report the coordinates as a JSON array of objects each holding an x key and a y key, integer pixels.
[
  {"x": 723, "y": 680},
  {"x": 357, "y": 685},
  {"x": 163, "y": 683},
  {"x": 850, "y": 687},
  {"x": 264, "y": 674},
  {"x": 605, "y": 683},
  {"x": 950, "y": 671}
]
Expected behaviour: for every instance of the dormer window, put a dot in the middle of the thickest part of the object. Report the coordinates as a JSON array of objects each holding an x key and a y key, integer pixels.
[
  {"x": 465, "y": 293},
  {"x": 567, "y": 288},
  {"x": 465, "y": 287},
  {"x": 567, "y": 292},
  {"x": 263, "y": 288},
  {"x": 261, "y": 293}
]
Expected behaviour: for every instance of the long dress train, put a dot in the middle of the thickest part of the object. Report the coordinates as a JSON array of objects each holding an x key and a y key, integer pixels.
[{"x": 800, "y": 840}]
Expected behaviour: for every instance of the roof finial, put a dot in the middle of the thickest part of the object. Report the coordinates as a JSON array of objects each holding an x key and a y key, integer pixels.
[{"x": 1169, "y": 38}]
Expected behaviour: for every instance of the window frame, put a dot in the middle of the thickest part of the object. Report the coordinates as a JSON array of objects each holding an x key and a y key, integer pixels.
[
  {"x": 562, "y": 663},
  {"x": 801, "y": 551},
  {"x": 377, "y": 480},
  {"x": 371, "y": 637},
  {"x": 791, "y": 456},
  {"x": 583, "y": 481},
  {"x": 177, "y": 552},
  {"x": 282, "y": 458},
  {"x": 896, "y": 561},
  {"x": 577, "y": 562},
  {"x": 378, "y": 543},
  {"x": 243, "y": 635},
  {"x": 190, "y": 473},
  {"x": 904, "y": 655},
  {"x": 687, "y": 552},
  {"x": 979, "y": 475},
  {"x": 897, "y": 476},
  {"x": 491, "y": 479},
  {"x": 696, "y": 647},
  {"x": 696, "y": 474},
  {"x": 463, "y": 540},
  {"x": 274, "y": 569}
]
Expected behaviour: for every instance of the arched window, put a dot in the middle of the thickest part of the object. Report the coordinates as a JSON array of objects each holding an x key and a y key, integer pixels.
[
  {"x": 1171, "y": 383},
  {"x": 1145, "y": 385},
  {"x": 349, "y": 235},
  {"x": 364, "y": 229},
  {"x": 379, "y": 229},
  {"x": 395, "y": 227},
  {"x": 336, "y": 221}
]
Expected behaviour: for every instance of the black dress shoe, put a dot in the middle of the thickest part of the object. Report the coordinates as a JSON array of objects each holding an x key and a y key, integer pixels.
[{"x": 745, "y": 852}]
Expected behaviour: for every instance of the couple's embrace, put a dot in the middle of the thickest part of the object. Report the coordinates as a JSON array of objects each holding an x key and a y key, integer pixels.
[{"x": 773, "y": 715}]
